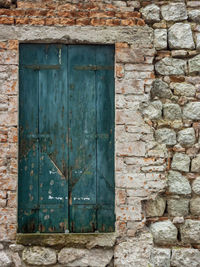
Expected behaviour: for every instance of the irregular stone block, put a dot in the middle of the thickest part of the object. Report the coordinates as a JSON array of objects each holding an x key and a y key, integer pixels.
[
  {"x": 195, "y": 206},
  {"x": 160, "y": 257},
  {"x": 164, "y": 232},
  {"x": 184, "y": 257},
  {"x": 160, "y": 39},
  {"x": 178, "y": 184},
  {"x": 174, "y": 12},
  {"x": 196, "y": 164},
  {"x": 153, "y": 111},
  {"x": 165, "y": 136},
  {"x": 194, "y": 64},
  {"x": 151, "y": 13},
  {"x": 196, "y": 186},
  {"x": 180, "y": 36},
  {"x": 192, "y": 111},
  {"x": 178, "y": 207},
  {"x": 172, "y": 111},
  {"x": 134, "y": 251},
  {"x": 186, "y": 137},
  {"x": 5, "y": 260},
  {"x": 39, "y": 256},
  {"x": 170, "y": 66},
  {"x": 181, "y": 162},
  {"x": 198, "y": 41},
  {"x": 160, "y": 89},
  {"x": 184, "y": 89},
  {"x": 194, "y": 15},
  {"x": 85, "y": 257},
  {"x": 190, "y": 232},
  {"x": 155, "y": 207}
]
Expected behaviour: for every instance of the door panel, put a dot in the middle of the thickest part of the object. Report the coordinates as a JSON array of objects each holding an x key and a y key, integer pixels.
[{"x": 66, "y": 138}]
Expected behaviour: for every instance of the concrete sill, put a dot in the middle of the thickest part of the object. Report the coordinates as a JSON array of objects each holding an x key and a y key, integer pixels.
[{"x": 89, "y": 240}]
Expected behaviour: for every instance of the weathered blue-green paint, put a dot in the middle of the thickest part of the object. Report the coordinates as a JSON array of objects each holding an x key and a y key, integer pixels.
[{"x": 66, "y": 151}]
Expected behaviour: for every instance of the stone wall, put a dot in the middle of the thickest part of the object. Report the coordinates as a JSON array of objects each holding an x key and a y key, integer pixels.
[{"x": 157, "y": 129}]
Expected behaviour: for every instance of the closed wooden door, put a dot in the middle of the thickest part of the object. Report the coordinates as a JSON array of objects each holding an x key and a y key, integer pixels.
[{"x": 66, "y": 138}]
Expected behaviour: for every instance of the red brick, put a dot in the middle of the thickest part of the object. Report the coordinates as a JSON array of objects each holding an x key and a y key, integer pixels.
[
  {"x": 21, "y": 21},
  {"x": 128, "y": 22},
  {"x": 52, "y": 21},
  {"x": 97, "y": 22},
  {"x": 6, "y": 20},
  {"x": 83, "y": 21},
  {"x": 36, "y": 21},
  {"x": 65, "y": 21},
  {"x": 112, "y": 22}
]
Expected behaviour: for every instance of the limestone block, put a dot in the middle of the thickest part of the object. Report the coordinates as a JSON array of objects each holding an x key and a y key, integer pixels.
[
  {"x": 164, "y": 232},
  {"x": 180, "y": 36},
  {"x": 172, "y": 111},
  {"x": 178, "y": 184},
  {"x": 165, "y": 136},
  {"x": 186, "y": 137},
  {"x": 39, "y": 256},
  {"x": 198, "y": 41},
  {"x": 194, "y": 15},
  {"x": 194, "y": 64},
  {"x": 196, "y": 164},
  {"x": 84, "y": 257},
  {"x": 160, "y": 39},
  {"x": 151, "y": 13},
  {"x": 170, "y": 66},
  {"x": 160, "y": 257},
  {"x": 160, "y": 89},
  {"x": 190, "y": 232},
  {"x": 181, "y": 162},
  {"x": 155, "y": 207},
  {"x": 184, "y": 89},
  {"x": 195, "y": 206},
  {"x": 178, "y": 207},
  {"x": 192, "y": 111},
  {"x": 5, "y": 260},
  {"x": 196, "y": 186},
  {"x": 153, "y": 110},
  {"x": 134, "y": 251},
  {"x": 184, "y": 257},
  {"x": 174, "y": 12}
]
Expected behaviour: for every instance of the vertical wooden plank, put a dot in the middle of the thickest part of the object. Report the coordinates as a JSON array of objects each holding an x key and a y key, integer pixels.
[
  {"x": 105, "y": 138},
  {"x": 82, "y": 138},
  {"x": 28, "y": 142},
  {"x": 53, "y": 140}
]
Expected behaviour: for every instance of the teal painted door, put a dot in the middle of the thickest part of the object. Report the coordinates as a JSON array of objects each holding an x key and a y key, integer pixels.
[{"x": 66, "y": 138}]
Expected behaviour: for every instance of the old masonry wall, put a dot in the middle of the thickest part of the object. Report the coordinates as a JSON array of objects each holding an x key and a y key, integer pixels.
[{"x": 157, "y": 148}]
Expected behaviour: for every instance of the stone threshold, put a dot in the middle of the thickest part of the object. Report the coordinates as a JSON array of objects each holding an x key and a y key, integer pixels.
[{"x": 89, "y": 240}]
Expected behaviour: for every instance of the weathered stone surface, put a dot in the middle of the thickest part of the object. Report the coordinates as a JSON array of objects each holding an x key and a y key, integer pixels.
[
  {"x": 186, "y": 137},
  {"x": 16, "y": 247},
  {"x": 190, "y": 231},
  {"x": 172, "y": 111},
  {"x": 178, "y": 184},
  {"x": 194, "y": 15},
  {"x": 160, "y": 257},
  {"x": 178, "y": 207},
  {"x": 160, "y": 39},
  {"x": 198, "y": 41},
  {"x": 153, "y": 110},
  {"x": 174, "y": 12},
  {"x": 5, "y": 260},
  {"x": 196, "y": 164},
  {"x": 170, "y": 66},
  {"x": 195, "y": 206},
  {"x": 184, "y": 257},
  {"x": 151, "y": 13},
  {"x": 160, "y": 89},
  {"x": 194, "y": 64},
  {"x": 180, "y": 36},
  {"x": 5, "y": 3},
  {"x": 39, "y": 256},
  {"x": 181, "y": 162},
  {"x": 164, "y": 232},
  {"x": 184, "y": 89},
  {"x": 83, "y": 257},
  {"x": 165, "y": 136},
  {"x": 196, "y": 186},
  {"x": 155, "y": 207},
  {"x": 192, "y": 111},
  {"x": 134, "y": 251}
]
